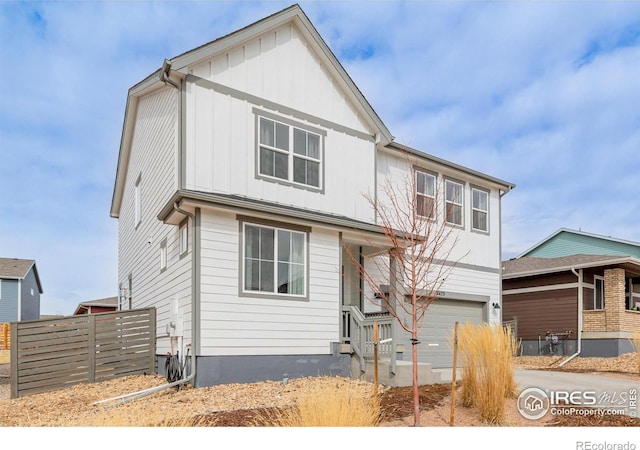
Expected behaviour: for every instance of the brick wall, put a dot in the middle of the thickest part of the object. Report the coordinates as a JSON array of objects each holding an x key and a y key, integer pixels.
[
  {"x": 614, "y": 298},
  {"x": 594, "y": 320}
]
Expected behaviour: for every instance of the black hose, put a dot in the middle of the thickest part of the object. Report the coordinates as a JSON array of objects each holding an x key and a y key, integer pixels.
[{"x": 173, "y": 368}]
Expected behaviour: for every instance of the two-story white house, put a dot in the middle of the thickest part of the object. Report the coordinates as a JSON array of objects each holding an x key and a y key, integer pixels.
[{"x": 241, "y": 178}]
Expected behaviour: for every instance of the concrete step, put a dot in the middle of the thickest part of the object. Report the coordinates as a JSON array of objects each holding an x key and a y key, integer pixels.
[{"x": 402, "y": 377}]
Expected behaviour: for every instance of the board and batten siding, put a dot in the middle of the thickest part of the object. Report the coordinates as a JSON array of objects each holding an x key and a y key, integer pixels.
[
  {"x": 30, "y": 297},
  {"x": 469, "y": 246},
  {"x": 153, "y": 161},
  {"x": 240, "y": 325},
  {"x": 8, "y": 300},
  {"x": 221, "y": 134}
]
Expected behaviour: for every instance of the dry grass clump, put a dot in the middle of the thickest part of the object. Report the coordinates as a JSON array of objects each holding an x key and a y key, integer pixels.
[
  {"x": 487, "y": 354},
  {"x": 326, "y": 405}
]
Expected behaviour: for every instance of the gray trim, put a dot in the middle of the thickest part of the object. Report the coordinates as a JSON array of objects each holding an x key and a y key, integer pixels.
[
  {"x": 467, "y": 266},
  {"x": 434, "y": 159},
  {"x": 446, "y": 178},
  {"x": 253, "y": 206},
  {"x": 273, "y": 223},
  {"x": 242, "y": 220},
  {"x": 182, "y": 254},
  {"x": 197, "y": 280},
  {"x": 182, "y": 136},
  {"x": 163, "y": 246},
  {"x": 240, "y": 95},
  {"x": 259, "y": 113},
  {"x": 488, "y": 192}
]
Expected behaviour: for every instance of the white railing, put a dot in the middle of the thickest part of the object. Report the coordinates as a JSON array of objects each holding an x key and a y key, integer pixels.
[{"x": 358, "y": 331}]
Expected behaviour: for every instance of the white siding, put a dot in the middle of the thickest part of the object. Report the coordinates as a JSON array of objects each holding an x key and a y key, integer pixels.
[
  {"x": 153, "y": 161},
  {"x": 221, "y": 136},
  {"x": 239, "y": 325},
  {"x": 470, "y": 247}
]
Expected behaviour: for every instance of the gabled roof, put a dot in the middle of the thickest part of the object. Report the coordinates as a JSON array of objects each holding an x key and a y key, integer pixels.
[
  {"x": 109, "y": 302},
  {"x": 530, "y": 266},
  {"x": 181, "y": 63},
  {"x": 581, "y": 234},
  {"x": 18, "y": 269}
]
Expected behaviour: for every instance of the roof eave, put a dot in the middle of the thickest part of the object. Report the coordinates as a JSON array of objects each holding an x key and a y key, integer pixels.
[{"x": 586, "y": 265}]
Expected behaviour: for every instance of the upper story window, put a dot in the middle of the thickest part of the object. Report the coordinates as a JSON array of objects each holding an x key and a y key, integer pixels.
[
  {"x": 454, "y": 202},
  {"x": 290, "y": 153},
  {"x": 137, "y": 202},
  {"x": 163, "y": 254},
  {"x": 274, "y": 260},
  {"x": 183, "y": 237},
  {"x": 425, "y": 194},
  {"x": 479, "y": 209}
]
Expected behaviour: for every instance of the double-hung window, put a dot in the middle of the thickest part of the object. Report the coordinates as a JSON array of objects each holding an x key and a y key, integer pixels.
[
  {"x": 289, "y": 153},
  {"x": 479, "y": 209},
  {"x": 274, "y": 261},
  {"x": 453, "y": 204},
  {"x": 425, "y": 194}
]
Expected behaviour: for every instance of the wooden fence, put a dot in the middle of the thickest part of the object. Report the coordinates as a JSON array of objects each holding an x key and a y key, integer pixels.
[
  {"x": 5, "y": 336},
  {"x": 53, "y": 354}
]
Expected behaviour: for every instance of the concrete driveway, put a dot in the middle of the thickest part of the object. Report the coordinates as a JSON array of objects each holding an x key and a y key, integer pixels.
[{"x": 583, "y": 389}]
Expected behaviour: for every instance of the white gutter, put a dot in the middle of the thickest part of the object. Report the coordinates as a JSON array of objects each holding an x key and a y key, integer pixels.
[{"x": 580, "y": 301}]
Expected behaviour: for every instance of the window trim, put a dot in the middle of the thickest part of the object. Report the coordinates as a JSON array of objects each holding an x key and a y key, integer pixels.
[
  {"x": 446, "y": 201},
  {"x": 164, "y": 255},
  {"x": 473, "y": 209},
  {"x": 291, "y": 124},
  {"x": 434, "y": 175},
  {"x": 243, "y": 221},
  {"x": 595, "y": 292},
  {"x": 184, "y": 227}
]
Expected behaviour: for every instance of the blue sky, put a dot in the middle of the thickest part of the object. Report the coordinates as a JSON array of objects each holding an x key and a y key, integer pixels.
[{"x": 542, "y": 94}]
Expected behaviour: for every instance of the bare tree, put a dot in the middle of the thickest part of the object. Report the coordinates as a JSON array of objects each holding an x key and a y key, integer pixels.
[{"x": 421, "y": 241}]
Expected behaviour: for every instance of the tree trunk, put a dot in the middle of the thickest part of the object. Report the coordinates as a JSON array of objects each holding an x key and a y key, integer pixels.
[{"x": 416, "y": 392}]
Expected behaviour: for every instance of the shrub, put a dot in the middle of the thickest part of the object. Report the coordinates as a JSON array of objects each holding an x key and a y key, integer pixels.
[
  {"x": 329, "y": 405},
  {"x": 487, "y": 353}
]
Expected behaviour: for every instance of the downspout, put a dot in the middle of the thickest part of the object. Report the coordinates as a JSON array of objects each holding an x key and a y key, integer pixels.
[
  {"x": 164, "y": 74},
  {"x": 500, "y": 194},
  {"x": 126, "y": 398},
  {"x": 580, "y": 302}
]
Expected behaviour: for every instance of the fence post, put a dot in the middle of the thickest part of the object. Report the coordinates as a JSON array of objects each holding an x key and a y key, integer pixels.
[
  {"x": 152, "y": 335},
  {"x": 91, "y": 348},
  {"x": 5, "y": 334},
  {"x": 14, "y": 359}
]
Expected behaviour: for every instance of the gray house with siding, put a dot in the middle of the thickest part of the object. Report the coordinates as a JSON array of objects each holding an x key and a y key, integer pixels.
[{"x": 20, "y": 290}]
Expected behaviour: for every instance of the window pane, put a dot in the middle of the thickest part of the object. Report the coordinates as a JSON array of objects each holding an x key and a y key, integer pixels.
[
  {"x": 420, "y": 182},
  {"x": 430, "y": 188},
  {"x": 284, "y": 246},
  {"x": 313, "y": 146},
  {"x": 252, "y": 275},
  {"x": 296, "y": 283},
  {"x": 266, "y": 161},
  {"x": 266, "y": 276},
  {"x": 454, "y": 214},
  {"x": 251, "y": 242},
  {"x": 299, "y": 142},
  {"x": 281, "y": 166},
  {"x": 283, "y": 278},
  {"x": 267, "y": 132},
  {"x": 480, "y": 220},
  {"x": 266, "y": 243},
  {"x": 454, "y": 192},
  {"x": 282, "y": 136},
  {"x": 299, "y": 170},
  {"x": 480, "y": 200},
  {"x": 313, "y": 173},
  {"x": 297, "y": 247},
  {"x": 424, "y": 206}
]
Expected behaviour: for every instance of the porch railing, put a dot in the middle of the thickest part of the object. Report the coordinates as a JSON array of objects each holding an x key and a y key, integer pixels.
[{"x": 357, "y": 330}]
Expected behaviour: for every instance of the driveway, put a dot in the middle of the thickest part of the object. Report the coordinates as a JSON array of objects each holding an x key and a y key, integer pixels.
[{"x": 588, "y": 390}]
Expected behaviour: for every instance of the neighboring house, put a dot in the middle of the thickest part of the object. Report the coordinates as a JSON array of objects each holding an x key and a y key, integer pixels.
[
  {"x": 20, "y": 290},
  {"x": 241, "y": 178},
  {"x": 101, "y": 305},
  {"x": 590, "y": 302}
]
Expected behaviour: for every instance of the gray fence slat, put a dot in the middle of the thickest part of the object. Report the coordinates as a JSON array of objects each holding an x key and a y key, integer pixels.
[{"x": 57, "y": 353}]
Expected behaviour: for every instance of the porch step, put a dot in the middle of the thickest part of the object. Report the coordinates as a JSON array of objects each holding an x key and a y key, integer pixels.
[{"x": 402, "y": 377}]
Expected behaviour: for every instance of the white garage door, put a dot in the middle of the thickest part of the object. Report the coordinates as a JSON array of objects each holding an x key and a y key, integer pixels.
[{"x": 438, "y": 330}]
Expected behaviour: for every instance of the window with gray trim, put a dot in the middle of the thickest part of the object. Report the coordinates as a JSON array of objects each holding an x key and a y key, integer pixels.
[
  {"x": 454, "y": 202},
  {"x": 274, "y": 260},
  {"x": 289, "y": 153},
  {"x": 479, "y": 209},
  {"x": 425, "y": 194},
  {"x": 598, "y": 292}
]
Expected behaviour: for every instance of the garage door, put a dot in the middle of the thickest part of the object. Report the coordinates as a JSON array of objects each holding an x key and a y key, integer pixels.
[{"x": 438, "y": 329}]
